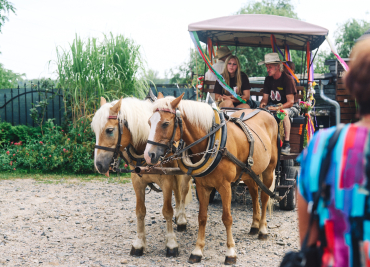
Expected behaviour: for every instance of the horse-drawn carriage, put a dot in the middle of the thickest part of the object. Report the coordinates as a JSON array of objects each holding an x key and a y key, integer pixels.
[{"x": 198, "y": 140}]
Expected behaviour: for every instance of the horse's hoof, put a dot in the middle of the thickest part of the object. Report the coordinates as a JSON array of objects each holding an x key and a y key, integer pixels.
[
  {"x": 174, "y": 252},
  {"x": 230, "y": 260},
  {"x": 254, "y": 231},
  {"x": 181, "y": 228},
  {"x": 136, "y": 251},
  {"x": 194, "y": 258},
  {"x": 263, "y": 236}
]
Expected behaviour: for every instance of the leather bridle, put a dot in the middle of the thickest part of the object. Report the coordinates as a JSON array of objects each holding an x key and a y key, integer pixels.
[
  {"x": 117, "y": 153},
  {"x": 170, "y": 146}
]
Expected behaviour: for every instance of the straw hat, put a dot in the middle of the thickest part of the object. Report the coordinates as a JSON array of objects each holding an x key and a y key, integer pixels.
[
  {"x": 222, "y": 52},
  {"x": 270, "y": 58}
]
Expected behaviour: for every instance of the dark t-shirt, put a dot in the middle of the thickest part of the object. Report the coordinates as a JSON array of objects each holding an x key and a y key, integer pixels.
[
  {"x": 245, "y": 85},
  {"x": 278, "y": 89}
]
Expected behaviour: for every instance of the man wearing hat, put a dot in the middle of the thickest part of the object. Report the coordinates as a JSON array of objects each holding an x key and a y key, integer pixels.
[
  {"x": 221, "y": 54},
  {"x": 278, "y": 93}
]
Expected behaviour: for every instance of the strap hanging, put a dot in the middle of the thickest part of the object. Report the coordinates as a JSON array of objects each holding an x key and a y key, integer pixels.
[{"x": 276, "y": 48}]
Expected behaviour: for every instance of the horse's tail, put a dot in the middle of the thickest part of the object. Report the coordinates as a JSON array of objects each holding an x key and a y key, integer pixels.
[
  {"x": 272, "y": 188},
  {"x": 189, "y": 196}
]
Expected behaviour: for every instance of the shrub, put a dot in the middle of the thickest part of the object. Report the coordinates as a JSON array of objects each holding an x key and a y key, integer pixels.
[{"x": 66, "y": 150}]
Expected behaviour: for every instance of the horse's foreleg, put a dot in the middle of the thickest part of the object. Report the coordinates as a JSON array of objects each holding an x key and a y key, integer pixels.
[
  {"x": 203, "y": 195},
  {"x": 253, "y": 191},
  {"x": 172, "y": 248},
  {"x": 139, "y": 243},
  {"x": 183, "y": 189},
  {"x": 226, "y": 194},
  {"x": 268, "y": 180}
]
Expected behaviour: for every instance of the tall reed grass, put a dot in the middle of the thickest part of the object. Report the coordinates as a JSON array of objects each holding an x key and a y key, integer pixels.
[{"x": 90, "y": 69}]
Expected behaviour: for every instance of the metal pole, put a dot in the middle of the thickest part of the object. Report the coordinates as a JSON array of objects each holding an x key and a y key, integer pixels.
[
  {"x": 5, "y": 106},
  {"x": 332, "y": 102},
  {"x": 158, "y": 170},
  {"x": 19, "y": 108},
  {"x": 11, "y": 98},
  {"x": 25, "y": 104}
]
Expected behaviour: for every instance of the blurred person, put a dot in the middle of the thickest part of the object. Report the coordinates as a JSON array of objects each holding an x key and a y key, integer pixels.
[
  {"x": 278, "y": 93},
  {"x": 221, "y": 55},
  {"x": 341, "y": 229},
  {"x": 238, "y": 81}
]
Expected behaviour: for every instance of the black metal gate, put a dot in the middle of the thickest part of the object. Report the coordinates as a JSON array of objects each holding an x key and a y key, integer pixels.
[{"x": 15, "y": 104}]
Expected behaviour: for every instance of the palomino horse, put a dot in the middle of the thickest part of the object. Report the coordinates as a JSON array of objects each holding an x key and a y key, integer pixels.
[
  {"x": 197, "y": 120},
  {"x": 134, "y": 114}
]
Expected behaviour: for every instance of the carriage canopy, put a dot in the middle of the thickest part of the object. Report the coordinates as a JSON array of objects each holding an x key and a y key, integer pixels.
[{"x": 255, "y": 30}]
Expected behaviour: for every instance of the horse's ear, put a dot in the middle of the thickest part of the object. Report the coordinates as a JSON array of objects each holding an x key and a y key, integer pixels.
[
  {"x": 116, "y": 108},
  {"x": 176, "y": 102},
  {"x": 102, "y": 101},
  {"x": 160, "y": 95}
]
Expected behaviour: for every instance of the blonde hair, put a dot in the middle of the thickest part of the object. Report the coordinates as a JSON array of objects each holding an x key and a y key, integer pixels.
[{"x": 238, "y": 74}]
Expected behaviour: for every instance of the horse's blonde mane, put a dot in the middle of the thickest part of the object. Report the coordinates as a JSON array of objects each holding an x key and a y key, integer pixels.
[
  {"x": 198, "y": 113},
  {"x": 135, "y": 111}
]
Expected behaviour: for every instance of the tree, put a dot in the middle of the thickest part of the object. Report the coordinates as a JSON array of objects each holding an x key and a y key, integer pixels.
[
  {"x": 347, "y": 34},
  {"x": 272, "y": 7},
  {"x": 9, "y": 79},
  {"x": 345, "y": 38},
  {"x": 5, "y": 7},
  {"x": 187, "y": 72},
  {"x": 152, "y": 76}
]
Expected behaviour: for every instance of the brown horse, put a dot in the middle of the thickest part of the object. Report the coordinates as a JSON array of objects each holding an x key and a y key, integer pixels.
[
  {"x": 135, "y": 130},
  {"x": 197, "y": 121}
]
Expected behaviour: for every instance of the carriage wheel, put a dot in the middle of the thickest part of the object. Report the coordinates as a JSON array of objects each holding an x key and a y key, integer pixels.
[
  {"x": 211, "y": 196},
  {"x": 290, "y": 201}
]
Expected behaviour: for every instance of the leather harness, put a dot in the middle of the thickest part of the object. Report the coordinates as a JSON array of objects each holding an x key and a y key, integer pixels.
[
  {"x": 118, "y": 155},
  {"x": 246, "y": 168}
]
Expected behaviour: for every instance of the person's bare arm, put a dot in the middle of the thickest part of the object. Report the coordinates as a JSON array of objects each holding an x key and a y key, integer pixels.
[
  {"x": 289, "y": 103},
  {"x": 264, "y": 100},
  {"x": 303, "y": 221},
  {"x": 246, "y": 95},
  {"x": 218, "y": 97}
]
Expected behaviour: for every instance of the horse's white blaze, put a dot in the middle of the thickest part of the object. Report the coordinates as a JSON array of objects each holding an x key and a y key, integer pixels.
[
  {"x": 171, "y": 242},
  {"x": 197, "y": 251},
  {"x": 230, "y": 252},
  {"x": 140, "y": 241},
  {"x": 153, "y": 122}
]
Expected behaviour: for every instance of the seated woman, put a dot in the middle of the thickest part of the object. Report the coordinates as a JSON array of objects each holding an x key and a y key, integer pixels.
[{"x": 238, "y": 81}]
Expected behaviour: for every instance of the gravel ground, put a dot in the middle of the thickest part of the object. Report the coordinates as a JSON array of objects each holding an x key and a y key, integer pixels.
[{"x": 73, "y": 223}]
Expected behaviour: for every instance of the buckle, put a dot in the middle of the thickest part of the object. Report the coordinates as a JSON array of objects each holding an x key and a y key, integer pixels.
[{"x": 250, "y": 161}]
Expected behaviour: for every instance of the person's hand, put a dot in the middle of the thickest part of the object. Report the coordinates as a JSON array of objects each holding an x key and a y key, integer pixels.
[
  {"x": 273, "y": 108},
  {"x": 263, "y": 105},
  {"x": 226, "y": 97}
]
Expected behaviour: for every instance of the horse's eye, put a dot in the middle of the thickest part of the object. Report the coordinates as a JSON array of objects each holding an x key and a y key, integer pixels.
[
  {"x": 109, "y": 130},
  {"x": 165, "y": 124}
]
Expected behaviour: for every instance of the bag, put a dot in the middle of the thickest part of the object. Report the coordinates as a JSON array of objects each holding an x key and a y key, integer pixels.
[{"x": 310, "y": 256}]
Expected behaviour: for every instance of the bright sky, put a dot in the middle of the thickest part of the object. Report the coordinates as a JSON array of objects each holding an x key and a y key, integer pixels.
[{"x": 29, "y": 39}]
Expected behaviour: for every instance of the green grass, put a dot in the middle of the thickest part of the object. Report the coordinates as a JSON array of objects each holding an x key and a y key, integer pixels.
[{"x": 54, "y": 178}]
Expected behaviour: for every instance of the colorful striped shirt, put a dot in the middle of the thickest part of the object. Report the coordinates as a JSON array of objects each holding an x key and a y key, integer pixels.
[{"x": 344, "y": 214}]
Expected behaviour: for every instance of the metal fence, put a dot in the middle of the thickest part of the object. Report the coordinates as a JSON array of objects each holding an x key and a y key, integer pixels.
[
  {"x": 175, "y": 90},
  {"x": 15, "y": 104}
]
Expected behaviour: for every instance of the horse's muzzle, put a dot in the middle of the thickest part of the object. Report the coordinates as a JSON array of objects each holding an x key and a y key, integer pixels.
[{"x": 102, "y": 163}]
